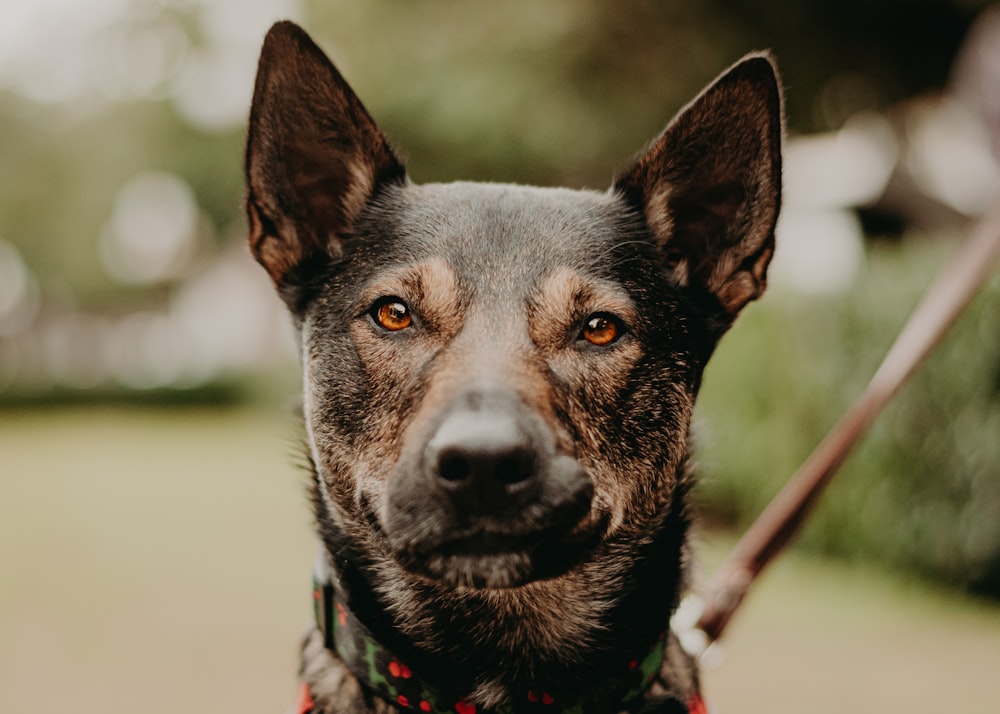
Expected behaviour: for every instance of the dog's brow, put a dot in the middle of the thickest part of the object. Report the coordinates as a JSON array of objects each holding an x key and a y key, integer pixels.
[
  {"x": 564, "y": 289},
  {"x": 565, "y": 295},
  {"x": 439, "y": 282},
  {"x": 431, "y": 285}
]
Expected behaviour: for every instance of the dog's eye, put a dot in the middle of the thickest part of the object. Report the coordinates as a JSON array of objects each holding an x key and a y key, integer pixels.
[
  {"x": 391, "y": 314},
  {"x": 602, "y": 329}
]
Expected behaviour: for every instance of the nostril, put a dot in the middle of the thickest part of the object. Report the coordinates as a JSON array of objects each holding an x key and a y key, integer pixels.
[
  {"x": 514, "y": 469},
  {"x": 454, "y": 467}
]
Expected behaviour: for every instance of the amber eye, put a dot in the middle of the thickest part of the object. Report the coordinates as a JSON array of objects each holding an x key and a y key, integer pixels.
[
  {"x": 391, "y": 314},
  {"x": 602, "y": 329}
]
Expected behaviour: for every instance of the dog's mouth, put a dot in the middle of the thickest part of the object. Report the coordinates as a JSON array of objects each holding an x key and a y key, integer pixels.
[
  {"x": 542, "y": 539},
  {"x": 490, "y": 558}
]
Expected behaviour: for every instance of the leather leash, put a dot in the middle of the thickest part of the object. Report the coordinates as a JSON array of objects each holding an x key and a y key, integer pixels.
[{"x": 951, "y": 292}]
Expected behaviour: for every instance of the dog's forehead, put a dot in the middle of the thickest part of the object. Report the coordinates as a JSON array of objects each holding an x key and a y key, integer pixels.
[{"x": 508, "y": 230}]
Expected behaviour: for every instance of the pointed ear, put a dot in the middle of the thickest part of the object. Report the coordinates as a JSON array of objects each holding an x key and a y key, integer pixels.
[
  {"x": 710, "y": 185},
  {"x": 314, "y": 157}
]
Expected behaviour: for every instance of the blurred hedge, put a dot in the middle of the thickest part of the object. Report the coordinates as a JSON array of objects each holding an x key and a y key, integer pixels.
[{"x": 922, "y": 491}]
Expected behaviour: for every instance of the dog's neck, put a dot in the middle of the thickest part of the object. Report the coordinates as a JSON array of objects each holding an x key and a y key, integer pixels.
[
  {"x": 570, "y": 638},
  {"x": 390, "y": 676}
]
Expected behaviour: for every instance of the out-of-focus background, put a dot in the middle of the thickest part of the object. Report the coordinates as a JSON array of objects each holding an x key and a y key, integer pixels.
[{"x": 154, "y": 537}]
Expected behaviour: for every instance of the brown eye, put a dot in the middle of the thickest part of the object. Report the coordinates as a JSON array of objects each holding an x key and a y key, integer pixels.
[
  {"x": 602, "y": 329},
  {"x": 392, "y": 314}
]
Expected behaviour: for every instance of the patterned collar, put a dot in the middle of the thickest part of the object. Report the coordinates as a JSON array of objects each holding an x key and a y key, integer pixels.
[
  {"x": 393, "y": 680},
  {"x": 304, "y": 703}
]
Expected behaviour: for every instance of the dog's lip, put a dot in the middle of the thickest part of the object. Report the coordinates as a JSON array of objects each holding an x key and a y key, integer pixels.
[
  {"x": 504, "y": 559},
  {"x": 489, "y": 539},
  {"x": 490, "y": 542},
  {"x": 486, "y": 543}
]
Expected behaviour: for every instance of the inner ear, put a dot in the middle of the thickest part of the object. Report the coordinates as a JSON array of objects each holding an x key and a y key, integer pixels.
[{"x": 709, "y": 187}]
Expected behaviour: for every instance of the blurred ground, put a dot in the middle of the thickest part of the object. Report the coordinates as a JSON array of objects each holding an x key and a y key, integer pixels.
[
  {"x": 828, "y": 637},
  {"x": 159, "y": 560}
]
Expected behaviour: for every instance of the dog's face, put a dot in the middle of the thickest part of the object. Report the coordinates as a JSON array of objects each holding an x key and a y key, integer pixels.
[
  {"x": 499, "y": 379},
  {"x": 495, "y": 379}
]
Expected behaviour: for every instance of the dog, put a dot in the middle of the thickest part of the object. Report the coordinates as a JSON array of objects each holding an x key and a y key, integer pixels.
[{"x": 498, "y": 389}]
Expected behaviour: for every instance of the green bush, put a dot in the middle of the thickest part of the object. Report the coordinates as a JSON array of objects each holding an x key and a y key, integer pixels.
[{"x": 922, "y": 490}]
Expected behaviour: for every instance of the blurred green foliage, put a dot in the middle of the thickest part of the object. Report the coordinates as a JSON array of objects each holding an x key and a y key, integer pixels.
[
  {"x": 922, "y": 491},
  {"x": 561, "y": 92},
  {"x": 59, "y": 177}
]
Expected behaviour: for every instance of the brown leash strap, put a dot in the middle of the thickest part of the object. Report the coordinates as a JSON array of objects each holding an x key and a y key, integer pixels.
[{"x": 950, "y": 293}]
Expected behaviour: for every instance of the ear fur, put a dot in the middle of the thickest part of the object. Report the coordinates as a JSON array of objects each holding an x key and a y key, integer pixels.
[
  {"x": 314, "y": 157},
  {"x": 709, "y": 186}
]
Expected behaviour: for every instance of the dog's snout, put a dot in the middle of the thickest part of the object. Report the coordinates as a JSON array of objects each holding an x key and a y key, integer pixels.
[
  {"x": 484, "y": 459},
  {"x": 486, "y": 499}
]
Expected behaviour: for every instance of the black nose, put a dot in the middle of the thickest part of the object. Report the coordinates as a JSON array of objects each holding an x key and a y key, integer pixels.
[{"x": 482, "y": 455}]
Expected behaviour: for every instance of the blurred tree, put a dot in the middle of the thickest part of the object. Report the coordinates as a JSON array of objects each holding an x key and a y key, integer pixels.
[{"x": 561, "y": 92}]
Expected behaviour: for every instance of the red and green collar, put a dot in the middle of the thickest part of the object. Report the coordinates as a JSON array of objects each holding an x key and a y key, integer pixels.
[{"x": 393, "y": 680}]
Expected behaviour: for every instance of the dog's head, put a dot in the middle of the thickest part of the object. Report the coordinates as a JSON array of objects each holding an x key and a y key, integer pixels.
[{"x": 499, "y": 379}]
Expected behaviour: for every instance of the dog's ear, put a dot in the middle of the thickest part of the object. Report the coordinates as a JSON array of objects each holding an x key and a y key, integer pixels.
[
  {"x": 710, "y": 185},
  {"x": 314, "y": 157}
]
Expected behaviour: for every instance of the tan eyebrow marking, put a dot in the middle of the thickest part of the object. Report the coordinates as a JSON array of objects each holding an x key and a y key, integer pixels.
[
  {"x": 431, "y": 288},
  {"x": 565, "y": 297}
]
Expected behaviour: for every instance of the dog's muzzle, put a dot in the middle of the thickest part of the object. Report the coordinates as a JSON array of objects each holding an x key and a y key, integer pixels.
[
  {"x": 483, "y": 461},
  {"x": 487, "y": 501}
]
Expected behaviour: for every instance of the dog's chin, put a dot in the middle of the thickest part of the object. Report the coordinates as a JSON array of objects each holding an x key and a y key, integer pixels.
[
  {"x": 498, "y": 561},
  {"x": 476, "y": 571}
]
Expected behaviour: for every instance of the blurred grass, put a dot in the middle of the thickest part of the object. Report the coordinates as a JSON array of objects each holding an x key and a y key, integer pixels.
[{"x": 162, "y": 557}]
